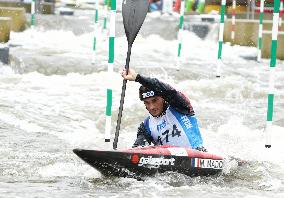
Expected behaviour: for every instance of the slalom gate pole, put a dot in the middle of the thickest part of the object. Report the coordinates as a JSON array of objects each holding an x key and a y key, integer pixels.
[
  {"x": 272, "y": 74},
  {"x": 259, "y": 43},
  {"x": 180, "y": 33},
  {"x": 105, "y": 16},
  {"x": 233, "y": 21},
  {"x": 96, "y": 30},
  {"x": 280, "y": 13},
  {"x": 33, "y": 14},
  {"x": 221, "y": 34},
  {"x": 110, "y": 70}
]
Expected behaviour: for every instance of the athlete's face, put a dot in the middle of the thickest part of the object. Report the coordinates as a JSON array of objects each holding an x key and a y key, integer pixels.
[{"x": 155, "y": 105}]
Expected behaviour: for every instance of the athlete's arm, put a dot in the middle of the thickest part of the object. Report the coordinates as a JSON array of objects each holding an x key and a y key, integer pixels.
[
  {"x": 175, "y": 98},
  {"x": 142, "y": 137}
]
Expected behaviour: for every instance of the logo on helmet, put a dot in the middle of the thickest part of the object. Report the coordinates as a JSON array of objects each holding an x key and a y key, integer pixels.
[{"x": 148, "y": 94}]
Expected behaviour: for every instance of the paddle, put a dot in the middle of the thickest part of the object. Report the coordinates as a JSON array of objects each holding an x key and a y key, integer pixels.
[{"x": 133, "y": 14}]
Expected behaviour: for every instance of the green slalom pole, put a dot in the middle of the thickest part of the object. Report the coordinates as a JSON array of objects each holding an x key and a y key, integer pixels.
[
  {"x": 271, "y": 73},
  {"x": 180, "y": 33},
  {"x": 33, "y": 14},
  {"x": 96, "y": 30},
  {"x": 221, "y": 34},
  {"x": 105, "y": 16},
  {"x": 110, "y": 70},
  {"x": 260, "y": 27}
]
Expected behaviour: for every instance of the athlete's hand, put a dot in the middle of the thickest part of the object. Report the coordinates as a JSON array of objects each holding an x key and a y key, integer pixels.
[{"x": 130, "y": 76}]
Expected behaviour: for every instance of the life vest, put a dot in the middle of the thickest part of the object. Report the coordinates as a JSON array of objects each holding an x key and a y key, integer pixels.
[{"x": 174, "y": 128}]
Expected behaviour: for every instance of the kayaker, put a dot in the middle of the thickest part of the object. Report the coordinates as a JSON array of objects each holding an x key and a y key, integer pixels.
[{"x": 171, "y": 121}]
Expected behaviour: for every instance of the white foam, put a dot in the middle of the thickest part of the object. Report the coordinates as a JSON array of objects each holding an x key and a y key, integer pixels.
[{"x": 68, "y": 170}]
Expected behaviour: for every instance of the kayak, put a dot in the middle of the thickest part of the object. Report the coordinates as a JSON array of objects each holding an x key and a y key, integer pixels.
[{"x": 147, "y": 161}]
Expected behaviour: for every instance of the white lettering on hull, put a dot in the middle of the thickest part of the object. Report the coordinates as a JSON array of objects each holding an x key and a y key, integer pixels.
[
  {"x": 208, "y": 163},
  {"x": 155, "y": 162}
]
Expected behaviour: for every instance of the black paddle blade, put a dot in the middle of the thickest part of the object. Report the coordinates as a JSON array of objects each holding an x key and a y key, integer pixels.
[{"x": 133, "y": 13}]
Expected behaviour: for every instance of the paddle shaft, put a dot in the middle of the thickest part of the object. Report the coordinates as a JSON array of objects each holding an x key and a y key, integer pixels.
[
  {"x": 122, "y": 99},
  {"x": 133, "y": 14}
]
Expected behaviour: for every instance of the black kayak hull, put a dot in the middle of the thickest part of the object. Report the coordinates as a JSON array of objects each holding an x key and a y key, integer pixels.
[{"x": 151, "y": 160}]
